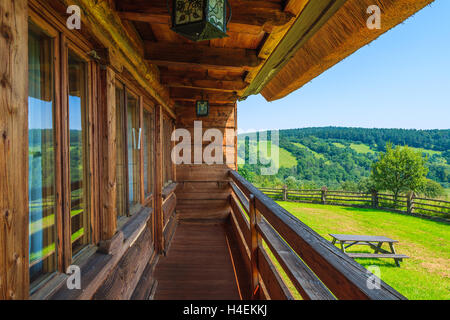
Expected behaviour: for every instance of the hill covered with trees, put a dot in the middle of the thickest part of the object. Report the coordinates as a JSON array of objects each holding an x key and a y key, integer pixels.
[{"x": 342, "y": 157}]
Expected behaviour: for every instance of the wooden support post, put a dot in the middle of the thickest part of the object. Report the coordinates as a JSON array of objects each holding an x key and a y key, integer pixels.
[
  {"x": 14, "y": 274},
  {"x": 255, "y": 218},
  {"x": 410, "y": 202},
  {"x": 285, "y": 193},
  {"x": 375, "y": 199},
  {"x": 159, "y": 218},
  {"x": 108, "y": 156},
  {"x": 324, "y": 195}
]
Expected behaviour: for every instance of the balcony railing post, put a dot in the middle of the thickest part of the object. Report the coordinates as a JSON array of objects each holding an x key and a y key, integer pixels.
[
  {"x": 285, "y": 193},
  {"x": 410, "y": 202},
  {"x": 255, "y": 218},
  {"x": 324, "y": 195}
]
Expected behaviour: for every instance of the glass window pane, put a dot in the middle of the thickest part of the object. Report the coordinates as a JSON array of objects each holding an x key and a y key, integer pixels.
[
  {"x": 148, "y": 152},
  {"x": 41, "y": 175},
  {"x": 80, "y": 222},
  {"x": 121, "y": 201},
  {"x": 133, "y": 148}
]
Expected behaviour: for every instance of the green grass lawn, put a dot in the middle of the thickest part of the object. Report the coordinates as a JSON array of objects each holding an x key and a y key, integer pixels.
[{"x": 426, "y": 275}]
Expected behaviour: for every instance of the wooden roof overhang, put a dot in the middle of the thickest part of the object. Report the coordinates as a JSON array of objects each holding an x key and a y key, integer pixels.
[
  {"x": 218, "y": 70},
  {"x": 295, "y": 64},
  {"x": 274, "y": 46}
]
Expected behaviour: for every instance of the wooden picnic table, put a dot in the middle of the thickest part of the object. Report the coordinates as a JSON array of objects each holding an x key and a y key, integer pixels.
[{"x": 375, "y": 242}]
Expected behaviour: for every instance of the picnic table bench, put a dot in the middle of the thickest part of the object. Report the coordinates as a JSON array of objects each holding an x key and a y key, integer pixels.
[{"x": 375, "y": 242}]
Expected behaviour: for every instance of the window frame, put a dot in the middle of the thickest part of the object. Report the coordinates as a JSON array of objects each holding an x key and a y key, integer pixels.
[
  {"x": 64, "y": 41},
  {"x": 71, "y": 47},
  {"x": 124, "y": 84},
  {"x": 52, "y": 33},
  {"x": 148, "y": 199},
  {"x": 167, "y": 140}
]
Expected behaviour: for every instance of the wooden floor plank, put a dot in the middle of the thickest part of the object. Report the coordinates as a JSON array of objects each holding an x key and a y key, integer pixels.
[{"x": 198, "y": 266}]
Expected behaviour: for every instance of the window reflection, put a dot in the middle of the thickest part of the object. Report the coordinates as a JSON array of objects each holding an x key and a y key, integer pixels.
[
  {"x": 79, "y": 212},
  {"x": 41, "y": 151}
]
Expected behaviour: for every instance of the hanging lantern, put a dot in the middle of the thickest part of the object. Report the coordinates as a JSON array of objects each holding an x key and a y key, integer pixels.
[
  {"x": 202, "y": 108},
  {"x": 200, "y": 20}
]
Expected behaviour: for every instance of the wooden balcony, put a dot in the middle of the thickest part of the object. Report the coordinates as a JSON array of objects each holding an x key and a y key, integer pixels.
[
  {"x": 241, "y": 256},
  {"x": 211, "y": 235}
]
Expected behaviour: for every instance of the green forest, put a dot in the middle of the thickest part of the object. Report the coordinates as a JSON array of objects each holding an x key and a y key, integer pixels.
[{"x": 341, "y": 158}]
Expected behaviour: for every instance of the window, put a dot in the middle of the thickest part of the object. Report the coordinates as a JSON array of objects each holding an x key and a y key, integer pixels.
[
  {"x": 168, "y": 128},
  {"x": 128, "y": 151},
  {"x": 133, "y": 149},
  {"x": 121, "y": 158},
  {"x": 57, "y": 149},
  {"x": 148, "y": 135},
  {"x": 78, "y": 138},
  {"x": 41, "y": 152}
]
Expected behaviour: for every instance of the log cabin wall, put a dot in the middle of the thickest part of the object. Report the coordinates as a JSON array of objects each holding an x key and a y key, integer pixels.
[
  {"x": 116, "y": 253},
  {"x": 203, "y": 189}
]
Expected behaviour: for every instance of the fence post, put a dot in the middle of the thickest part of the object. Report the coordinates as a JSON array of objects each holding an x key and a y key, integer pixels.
[
  {"x": 375, "y": 199},
  {"x": 324, "y": 195},
  {"x": 256, "y": 242},
  {"x": 285, "y": 193},
  {"x": 410, "y": 202}
]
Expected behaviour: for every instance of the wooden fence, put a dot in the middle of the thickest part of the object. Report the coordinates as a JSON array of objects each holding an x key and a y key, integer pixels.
[{"x": 410, "y": 203}]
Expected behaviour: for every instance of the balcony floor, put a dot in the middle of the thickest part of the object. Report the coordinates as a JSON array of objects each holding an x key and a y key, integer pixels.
[{"x": 198, "y": 265}]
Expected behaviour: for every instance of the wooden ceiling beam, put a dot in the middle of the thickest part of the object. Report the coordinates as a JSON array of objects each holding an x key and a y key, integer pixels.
[
  {"x": 186, "y": 94},
  {"x": 202, "y": 81},
  {"x": 164, "y": 53},
  {"x": 249, "y": 13}
]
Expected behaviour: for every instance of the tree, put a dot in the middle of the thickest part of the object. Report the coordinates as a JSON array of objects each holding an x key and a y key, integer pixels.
[
  {"x": 366, "y": 185},
  {"x": 399, "y": 169},
  {"x": 292, "y": 183},
  {"x": 349, "y": 186},
  {"x": 432, "y": 189}
]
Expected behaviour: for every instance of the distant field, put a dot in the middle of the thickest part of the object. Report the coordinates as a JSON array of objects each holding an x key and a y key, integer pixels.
[
  {"x": 428, "y": 152},
  {"x": 287, "y": 160},
  {"x": 339, "y": 145},
  {"x": 361, "y": 148},
  {"x": 426, "y": 275}
]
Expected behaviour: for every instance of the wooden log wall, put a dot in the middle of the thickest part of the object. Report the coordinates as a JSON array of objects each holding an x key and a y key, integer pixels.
[
  {"x": 203, "y": 190},
  {"x": 14, "y": 276},
  {"x": 121, "y": 283}
]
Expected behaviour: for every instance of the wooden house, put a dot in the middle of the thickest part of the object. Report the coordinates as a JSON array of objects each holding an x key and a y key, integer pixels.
[{"x": 87, "y": 185}]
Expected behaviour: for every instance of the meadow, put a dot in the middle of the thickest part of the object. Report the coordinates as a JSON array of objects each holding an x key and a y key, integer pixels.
[{"x": 424, "y": 276}]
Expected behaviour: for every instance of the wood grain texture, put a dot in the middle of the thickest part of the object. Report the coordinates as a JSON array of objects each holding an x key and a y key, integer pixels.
[
  {"x": 107, "y": 27},
  {"x": 109, "y": 147},
  {"x": 245, "y": 13},
  {"x": 197, "y": 266},
  {"x": 341, "y": 36},
  {"x": 14, "y": 275},
  {"x": 159, "y": 216},
  {"x": 122, "y": 281},
  {"x": 161, "y": 53}
]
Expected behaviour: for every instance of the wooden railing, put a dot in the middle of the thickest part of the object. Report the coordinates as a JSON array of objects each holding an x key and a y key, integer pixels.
[
  {"x": 409, "y": 203},
  {"x": 316, "y": 268}
]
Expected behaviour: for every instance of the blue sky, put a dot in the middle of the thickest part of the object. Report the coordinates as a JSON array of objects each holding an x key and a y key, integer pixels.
[{"x": 401, "y": 80}]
